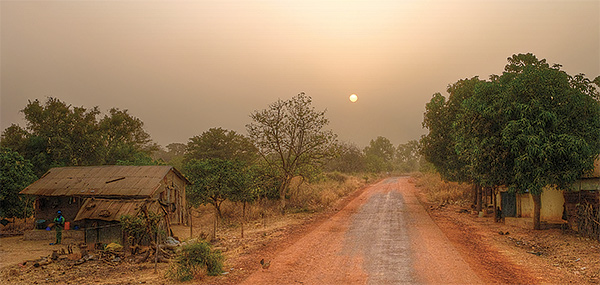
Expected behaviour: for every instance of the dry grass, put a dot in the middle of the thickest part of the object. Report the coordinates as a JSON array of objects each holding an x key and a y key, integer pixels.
[
  {"x": 303, "y": 197},
  {"x": 442, "y": 192},
  {"x": 315, "y": 197},
  {"x": 17, "y": 227}
]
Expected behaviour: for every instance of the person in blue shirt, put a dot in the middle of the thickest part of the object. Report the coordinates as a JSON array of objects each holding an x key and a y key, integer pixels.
[{"x": 59, "y": 223}]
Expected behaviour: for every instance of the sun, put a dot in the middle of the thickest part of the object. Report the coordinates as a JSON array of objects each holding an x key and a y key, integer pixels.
[{"x": 353, "y": 98}]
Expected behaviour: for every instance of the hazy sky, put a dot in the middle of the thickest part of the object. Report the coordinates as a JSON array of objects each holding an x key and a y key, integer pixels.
[{"x": 183, "y": 67}]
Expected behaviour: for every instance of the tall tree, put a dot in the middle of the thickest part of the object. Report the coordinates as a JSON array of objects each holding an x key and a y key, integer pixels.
[
  {"x": 533, "y": 127},
  {"x": 407, "y": 156},
  {"x": 123, "y": 136},
  {"x": 70, "y": 133},
  {"x": 380, "y": 155},
  {"x": 16, "y": 173},
  {"x": 552, "y": 130},
  {"x": 291, "y": 137},
  {"x": 58, "y": 134},
  {"x": 222, "y": 144},
  {"x": 438, "y": 146},
  {"x": 349, "y": 159},
  {"x": 214, "y": 181}
]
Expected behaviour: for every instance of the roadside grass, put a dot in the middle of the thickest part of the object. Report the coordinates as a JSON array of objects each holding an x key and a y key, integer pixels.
[
  {"x": 303, "y": 197},
  {"x": 440, "y": 192}
]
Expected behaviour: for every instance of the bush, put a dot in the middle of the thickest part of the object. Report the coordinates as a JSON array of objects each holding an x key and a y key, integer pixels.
[{"x": 193, "y": 259}]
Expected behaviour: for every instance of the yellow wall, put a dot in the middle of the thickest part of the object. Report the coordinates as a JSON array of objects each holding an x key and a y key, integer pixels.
[{"x": 552, "y": 204}]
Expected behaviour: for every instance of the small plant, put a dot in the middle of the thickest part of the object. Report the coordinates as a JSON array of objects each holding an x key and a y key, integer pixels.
[
  {"x": 140, "y": 228},
  {"x": 193, "y": 259}
]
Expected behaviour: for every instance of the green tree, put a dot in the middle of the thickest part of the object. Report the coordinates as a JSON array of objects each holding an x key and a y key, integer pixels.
[
  {"x": 123, "y": 136},
  {"x": 214, "y": 180},
  {"x": 408, "y": 157},
  {"x": 16, "y": 173},
  {"x": 380, "y": 155},
  {"x": 70, "y": 133},
  {"x": 349, "y": 159},
  {"x": 140, "y": 159},
  {"x": 173, "y": 155},
  {"x": 552, "y": 129},
  {"x": 58, "y": 134},
  {"x": 444, "y": 146},
  {"x": 222, "y": 144},
  {"x": 532, "y": 127},
  {"x": 291, "y": 137}
]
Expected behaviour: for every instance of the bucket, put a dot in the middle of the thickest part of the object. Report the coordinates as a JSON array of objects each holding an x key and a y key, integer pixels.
[{"x": 67, "y": 225}]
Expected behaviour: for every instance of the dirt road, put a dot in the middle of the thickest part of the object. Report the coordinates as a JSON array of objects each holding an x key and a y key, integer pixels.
[{"x": 384, "y": 236}]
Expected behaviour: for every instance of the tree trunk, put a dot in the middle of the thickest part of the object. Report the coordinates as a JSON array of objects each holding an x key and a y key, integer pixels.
[
  {"x": 282, "y": 192},
  {"x": 243, "y": 217},
  {"x": 537, "y": 206},
  {"x": 474, "y": 197},
  {"x": 191, "y": 228},
  {"x": 215, "y": 225},
  {"x": 478, "y": 205},
  {"x": 494, "y": 200}
]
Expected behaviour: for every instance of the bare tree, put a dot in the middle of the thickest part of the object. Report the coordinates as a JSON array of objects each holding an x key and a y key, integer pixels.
[{"x": 291, "y": 137}]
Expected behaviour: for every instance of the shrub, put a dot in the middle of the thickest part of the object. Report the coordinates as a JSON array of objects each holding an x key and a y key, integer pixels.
[
  {"x": 141, "y": 229},
  {"x": 193, "y": 259}
]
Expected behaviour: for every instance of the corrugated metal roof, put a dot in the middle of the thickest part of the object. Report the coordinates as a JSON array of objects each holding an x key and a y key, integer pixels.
[
  {"x": 112, "y": 209},
  {"x": 110, "y": 180}
]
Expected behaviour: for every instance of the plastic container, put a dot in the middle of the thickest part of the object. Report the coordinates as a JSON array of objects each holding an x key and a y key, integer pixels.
[{"x": 67, "y": 225}]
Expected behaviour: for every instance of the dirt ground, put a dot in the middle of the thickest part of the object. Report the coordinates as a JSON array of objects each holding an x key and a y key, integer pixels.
[{"x": 521, "y": 256}]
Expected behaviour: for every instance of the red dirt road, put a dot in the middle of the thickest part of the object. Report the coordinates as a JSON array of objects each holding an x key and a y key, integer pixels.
[{"x": 383, "y": 236}]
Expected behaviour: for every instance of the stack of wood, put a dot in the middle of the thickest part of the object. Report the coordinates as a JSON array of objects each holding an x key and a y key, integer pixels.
[
  {"x": 582, "y": 211},
  {"x": 589, "y": 220},
  {"x": 56, "y": 255},
  {"x": 142, "y": 254}
]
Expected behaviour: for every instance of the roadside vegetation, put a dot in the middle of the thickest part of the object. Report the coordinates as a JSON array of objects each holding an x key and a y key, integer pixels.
[
  {"x": 533, "y": 126},
  {"x": 441, "y": 192},
  {"x": 289, "y": 163}
]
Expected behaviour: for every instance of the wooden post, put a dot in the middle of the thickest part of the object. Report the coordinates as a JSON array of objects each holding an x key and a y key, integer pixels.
[
  {"x": 243, "y": 217},
  {"x": 478, "y": 197},
  {"x": 156, "y": 255},
  {"x": 190, "y": 217}
]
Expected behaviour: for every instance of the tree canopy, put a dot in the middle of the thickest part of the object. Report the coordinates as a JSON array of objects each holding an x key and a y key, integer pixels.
[
  {"x": 16, "y": 173},
  {"x": 379, "y": 155},
  {"x": 58, "y": 134},
  {"x": 531, "y": 127},
  {"x": 291, "y": 136},
  {"x": 222, "y": 144}
]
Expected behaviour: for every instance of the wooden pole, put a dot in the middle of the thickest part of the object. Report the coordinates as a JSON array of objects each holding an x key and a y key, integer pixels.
[
  {"x": 243, "y": 217},
  {"x": 156, "y": 255},
  {"x": 190, "y": 217}
]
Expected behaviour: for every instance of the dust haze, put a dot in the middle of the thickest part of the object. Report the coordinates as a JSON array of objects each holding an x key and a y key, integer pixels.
[{"x": 183, "y": 67}]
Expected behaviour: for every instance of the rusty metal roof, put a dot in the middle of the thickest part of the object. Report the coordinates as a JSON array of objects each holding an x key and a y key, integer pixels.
[
  {"x": 101, "y": 181},
  {"x": 112, "y": 209}
]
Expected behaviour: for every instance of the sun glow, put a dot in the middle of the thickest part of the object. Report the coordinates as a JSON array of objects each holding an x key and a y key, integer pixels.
[{"x": 353, "y": 98}]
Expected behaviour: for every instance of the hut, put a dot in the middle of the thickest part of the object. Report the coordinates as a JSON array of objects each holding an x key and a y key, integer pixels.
[
  {"x": 558, "y": 206},
  {"x": 94, "y": 198}
]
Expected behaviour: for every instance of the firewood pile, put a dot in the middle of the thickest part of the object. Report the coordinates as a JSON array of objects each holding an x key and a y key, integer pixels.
[
  {"x": 588, "y": 220},
  {"x": 111, "y": 255},
  {"x": 140, "y": 254}
]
